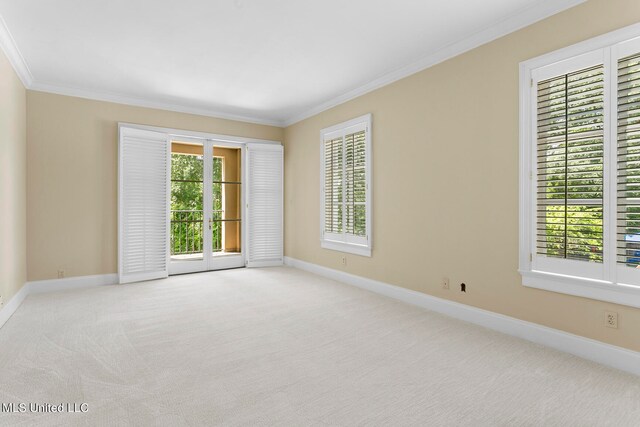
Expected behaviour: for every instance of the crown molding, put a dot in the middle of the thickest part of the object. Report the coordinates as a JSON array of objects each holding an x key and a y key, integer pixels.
[
  {"x": 147, "y": 103},
  {"x": 17, "y": 61},
  {"x": 8, "y": 45},
  {"x": 508, "y": 25}
]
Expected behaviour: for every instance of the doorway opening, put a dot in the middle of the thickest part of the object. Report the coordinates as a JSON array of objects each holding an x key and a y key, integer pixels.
[{"x": 206, "y": 206}]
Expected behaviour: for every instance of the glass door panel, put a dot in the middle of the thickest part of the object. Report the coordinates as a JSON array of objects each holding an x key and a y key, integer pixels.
[
  {"x": 206, "y": 206},
  {"x": 226, "y": 220},
  {"x": 187, "y": 238}
]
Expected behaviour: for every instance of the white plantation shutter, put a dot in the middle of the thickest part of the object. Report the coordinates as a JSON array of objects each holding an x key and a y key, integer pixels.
[
  {"x": 333, "y": 190},
  {"x": 570, "y": 165},
  {"x": 580, "y": 169},
  {"x": 345, "y": 186},
  {"x": 264, "y": 212},
  {"x": 628, "y": 161},
  {"x": 355, "y": 185},
  {"x": 144, "y": 161}
]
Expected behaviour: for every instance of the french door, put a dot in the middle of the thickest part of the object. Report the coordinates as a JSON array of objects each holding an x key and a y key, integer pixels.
[
  {"x": 196, "y": 202},
  {"x": 206, "y": 205}
]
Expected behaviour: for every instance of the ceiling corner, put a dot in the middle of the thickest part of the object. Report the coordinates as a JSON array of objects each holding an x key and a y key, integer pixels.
[
  {"x": 8, "y": 45},
  {"x": 511, "y": 24}
]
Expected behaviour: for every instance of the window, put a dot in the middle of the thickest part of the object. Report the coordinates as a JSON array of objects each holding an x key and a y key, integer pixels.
[
  {"x": 345, "y": 214},
  {"x": 580, "y": 169}
]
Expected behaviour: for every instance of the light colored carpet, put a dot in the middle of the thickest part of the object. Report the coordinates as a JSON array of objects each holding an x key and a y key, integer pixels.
[{"x": 280, "y": 346}]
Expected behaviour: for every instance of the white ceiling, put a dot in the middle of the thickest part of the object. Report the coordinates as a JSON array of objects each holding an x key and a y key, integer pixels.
[{"x": 268, "y": 61}]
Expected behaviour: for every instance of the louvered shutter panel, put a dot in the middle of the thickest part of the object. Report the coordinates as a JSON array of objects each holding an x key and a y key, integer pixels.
[
  {"x": 333, "y": 185},
  {"x": 345, "y": 216},
  {"x": 628, "y": 185},
  {"x": 570, "y": 165},
  {"x": 355, "y": 184},
  {"x": 265, "y": 205},
  {"x": 144, "y": 160}
]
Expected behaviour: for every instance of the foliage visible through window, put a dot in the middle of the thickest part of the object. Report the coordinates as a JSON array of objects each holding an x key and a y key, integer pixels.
[
  {"x": 580, "y": 169},
  {"x": 570, "y": 129},
  {"x": 187, "y": 172},
  {"x": 345, "y": 186},
  {"x": 628, "y": 220}
]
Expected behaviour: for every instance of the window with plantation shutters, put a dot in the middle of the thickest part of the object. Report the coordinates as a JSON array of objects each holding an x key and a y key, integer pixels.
[
  {"x": 570, "y": 162},
  {"x": 580, "y": 169},
  {"x": 345, "y": 187},
  {"x": 333, "y": 200},
  {"x": 628, "y": 218},
  {"x": 628, "y": 165}
]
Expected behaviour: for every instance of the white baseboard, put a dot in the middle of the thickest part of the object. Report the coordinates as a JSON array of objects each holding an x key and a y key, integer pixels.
[
  {"x": 12, "y": 305},
  {"x": 586, "y": 348},
  {"x": 53, "y": 285}
]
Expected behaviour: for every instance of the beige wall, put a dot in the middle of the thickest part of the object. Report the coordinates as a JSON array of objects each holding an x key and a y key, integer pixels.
[
  {"x": 13, "y": 181},
  {"x": 445, "y": 180},
  {"x": 72, "y": 177}
]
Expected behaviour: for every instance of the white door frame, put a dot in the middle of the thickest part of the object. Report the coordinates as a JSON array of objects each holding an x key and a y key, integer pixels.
[
  {"x": 231, "y": 261},
  {"x": 217, "y": 140},
  {"x": 191, "y": 266},
  {"x": 208, "y": 261}
]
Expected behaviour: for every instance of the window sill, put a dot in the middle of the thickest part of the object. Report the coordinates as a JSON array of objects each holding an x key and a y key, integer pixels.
[
  {"x": 346, "y": 247},
  {"x": 588, "y": 288}
]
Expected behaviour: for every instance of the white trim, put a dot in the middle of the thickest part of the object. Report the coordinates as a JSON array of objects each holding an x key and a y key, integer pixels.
[
  {"x": 345, "y": 242},
  {"x": 53, "y": 285},
  {"x": 13, "y": 304},
  {"x": 587, "y": 288},
  {"x": 119, "y": 98},
  {"x": 599, "y": 42},
  {"x": 69, "y": 283},
  {"x": 586, "y": 348},
  {"x": 183, "y": 133},
  {"x": 357, "y": 124},
  {"x": 509, "y": 25},
  {"x": 346, "y": 247},
  {"x": 524, "y": 167},
  {"x": 15, "y": 58},
  {"x": 208, "y": 261},
  {"x": 606, "y": 281},
  {"x": 492, "y": 32},
  {"x": 17, "y": 61},
  {"x": 568, "y": 65}
]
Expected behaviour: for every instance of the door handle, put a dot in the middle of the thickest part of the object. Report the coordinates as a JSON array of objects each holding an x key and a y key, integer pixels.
[{"x": 210, "y": 223}]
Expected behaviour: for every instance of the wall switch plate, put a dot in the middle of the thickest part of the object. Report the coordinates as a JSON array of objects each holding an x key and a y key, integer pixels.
[
  {"x": 611, "y": 319},
  {"x": 60, "y": 274}
]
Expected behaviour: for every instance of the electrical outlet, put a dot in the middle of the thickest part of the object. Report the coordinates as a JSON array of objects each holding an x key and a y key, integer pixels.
[
  {"x": 1, "y": 301},
  {"x": 611, "y": 319},
  {"x": 463, "y": 287},
  {"x": 445, "y": 283},
  {"x": 60, "y": 274},
  {"x": 344, "y": 260}
]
